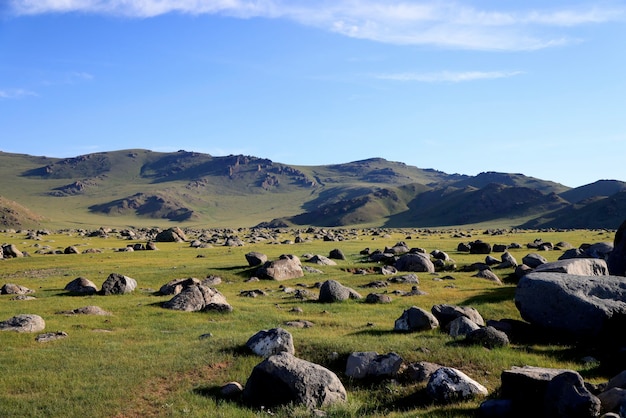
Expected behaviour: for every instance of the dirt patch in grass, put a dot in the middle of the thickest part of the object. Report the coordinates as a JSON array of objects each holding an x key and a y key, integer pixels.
[
  {"x": 33, "y": 274},
  {"x": 151, "y": 399}
]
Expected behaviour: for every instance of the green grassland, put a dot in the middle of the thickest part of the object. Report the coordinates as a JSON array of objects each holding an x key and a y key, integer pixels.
[{"x": 146, "y": 361}]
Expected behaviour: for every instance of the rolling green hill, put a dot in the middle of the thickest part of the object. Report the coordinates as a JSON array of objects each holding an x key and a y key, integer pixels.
[{"x": 139, "y": 187}]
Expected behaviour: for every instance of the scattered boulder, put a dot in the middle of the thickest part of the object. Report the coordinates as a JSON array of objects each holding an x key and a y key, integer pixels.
[
  {"x": 508, "y": 261},
  {"x": 377, "y": 298},
  {"x": 86, "y": 310},
  {"x": 576, "y": 266},
  {"x": 15, "y": 289},
  {"x": 421, "y": 371},
  {"x": 406, "y": 278},
  {"x": 198, "y": 298},
  {"x": 174, "y": 234},
  {"x": 11, "y": 251},
  {"x": 480, "y": 247},
  {"x": 321, "y": 260},
  {"x": 255, "y": 258},
  {"x": 415, "y": 319},
  {"x": 71, "y": 250},
  {"x": 118, "y": 284},
  {"x": 448, "y": 385},
  {"x": 300, "y": 323},
  {"x": 616, "y": 261},
  {"x": 445, "y": 314},
  {"x": 285, "y": 268},
  {"x": 488, "y": 337},
  {"x": 548, "y": 392},
  {"x": 336, "y": 254},
  {"x": 50, "y": 336},
  {"x": 534, "y": 260},
  {"x": 567, "y": 397},
  {"x": 489, "y": 275},
  {"x": 231, "y": 390},
  {"x": 283, "y": 378},
  {"x": 174, "y": 287},
  {"x": 578, "y": 306},
  {"x": 461, "y": 326},
  {"x": 599, "y": 250},
  {"x": 23, "y": 323},
  {"x": 370, "y": 364},
  {"x": 333, "y": 291},
  {"x": 266, "y": 343},
  {"x": 416, "y": 262},
  {"x": 81, "y": 286}
]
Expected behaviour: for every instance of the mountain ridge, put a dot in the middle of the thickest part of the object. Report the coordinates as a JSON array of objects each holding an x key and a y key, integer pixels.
[{"x": 138, "y": 186}]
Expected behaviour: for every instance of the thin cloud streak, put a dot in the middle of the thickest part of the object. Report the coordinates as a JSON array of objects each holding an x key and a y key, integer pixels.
[
  {"x": 435, "y": 23},
  {"x": 16, "y": 94},
  {"x": 449, "y": 76}
]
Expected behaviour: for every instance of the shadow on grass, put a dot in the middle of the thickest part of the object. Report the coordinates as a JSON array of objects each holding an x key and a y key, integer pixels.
[{"x": 496, "y": 295}]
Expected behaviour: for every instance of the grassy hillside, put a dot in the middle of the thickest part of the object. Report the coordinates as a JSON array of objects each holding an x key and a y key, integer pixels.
[{"x": 144, "y": 188}]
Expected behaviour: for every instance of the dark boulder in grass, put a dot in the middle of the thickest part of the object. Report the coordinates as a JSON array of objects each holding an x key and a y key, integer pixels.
[
  {"x": 416, "y": 262},
  {"x": 198, "y": 298},
  {"x": 480, "y": 247},
  {"x": 284, "y": 379},
  {"x": 286, "y": 267},
  {"x": 616, "y": 260},
  {"x": 255, "y": 258},
  {"x": 333, "y": 291},
  {"x": 118, "y": 284},
  {"x": 174, "y": 234},
  {"x": 370, "y": 364},
  {"x": 23, "y": 323},
  {"x": 445, "y": 314},
  {"x": 415, "y": 319},
  {"x": 448, "y": 385},
  {"x": 585, "y": 307},
  {"x": 174, "y": 287},
  {"x": 266, "y": 343}
]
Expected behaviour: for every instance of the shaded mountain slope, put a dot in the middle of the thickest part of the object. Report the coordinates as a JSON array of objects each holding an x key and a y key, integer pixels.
[
  {"x": 600, "y": 188},
  {"x": 597, "y": 212}
]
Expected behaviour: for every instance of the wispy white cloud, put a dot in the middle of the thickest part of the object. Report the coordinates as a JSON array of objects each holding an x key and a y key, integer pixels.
[
  {"x": 448, "y": 76},
  {"x": 440, "y": 23},
  {"x": 16, "y": 94}
]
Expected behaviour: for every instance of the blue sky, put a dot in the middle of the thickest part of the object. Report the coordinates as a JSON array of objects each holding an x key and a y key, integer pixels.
[{"x": 529, "y": 87}]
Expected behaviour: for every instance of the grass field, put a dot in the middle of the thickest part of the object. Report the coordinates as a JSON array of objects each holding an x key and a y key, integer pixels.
[{"x": 144, "y": 360}]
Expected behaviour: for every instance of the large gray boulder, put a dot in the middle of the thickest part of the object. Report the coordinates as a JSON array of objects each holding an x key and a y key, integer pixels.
[
  {"x": 285, "y": 268},
  {"x": 370, "y": 364},
  {"x": 576, "y": 266},
  {"x": 23, "y": 323},
  {"x": 534, "y": 260},
  {"x": 448, "y": 385},
  {"x": 537, "y": 391},
  {"x": 81, "y": 286},
  {"x": 333, "y": 291},
  {"x": 283, "y": 378},
  {"x": 447, "y": 313},
  {"x": 416, "y": 262},
  {"x": 15, "y": 289},
  {"x": 415, "y": 319},
  {"x": 174, "y": 287},
  {"x": 199, "y": 298},
  {"x": 255, "y": 258},
  {"x": 579, "y": 306},
  {"x": 616, "y": 261},
  {"x": 266, "y": 343},
  {"x": 118, "y": 284},
  {"x": 174, "y": 234}
]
